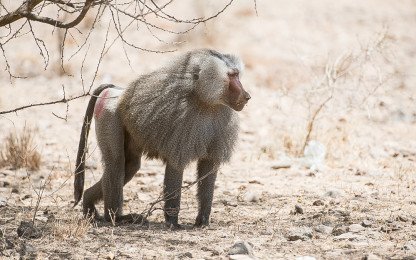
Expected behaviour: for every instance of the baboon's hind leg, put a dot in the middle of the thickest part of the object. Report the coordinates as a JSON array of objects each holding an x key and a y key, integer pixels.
[
  {"x": 91, "y": 197},
  {"x": 132, "y": 154}
]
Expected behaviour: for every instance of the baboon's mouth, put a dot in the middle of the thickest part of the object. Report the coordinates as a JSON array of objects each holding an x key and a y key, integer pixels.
[{"x": 239, "y": 105}]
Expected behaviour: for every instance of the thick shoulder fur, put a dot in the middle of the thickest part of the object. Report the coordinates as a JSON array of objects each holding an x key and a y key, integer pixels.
[{"x": 172, "y": 119}]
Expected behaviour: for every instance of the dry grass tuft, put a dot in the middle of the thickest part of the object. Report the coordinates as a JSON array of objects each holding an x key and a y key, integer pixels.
[
  {"x": 74, "y": 227},
  {"x": 19, "y": 151},
  {"x": 289, "y": 145}
]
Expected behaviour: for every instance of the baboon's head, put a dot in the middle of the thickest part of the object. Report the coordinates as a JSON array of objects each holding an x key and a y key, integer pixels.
[{"x": 217, "y": 79}]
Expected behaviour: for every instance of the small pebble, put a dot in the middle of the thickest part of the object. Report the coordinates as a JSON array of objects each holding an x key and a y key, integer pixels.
[
  {"x": 110, "y": 256},
  {"x": 323, "y": 229},
  {"x": 339, "y": 230},
  {"x": 3, "y": 202},
  {"x": 318, "y": 215},
  {"x": 251, "y": 196},
  {"x": 402, "y": 218},
  {"x": 241, "y": 247},
  {"x": 185, "y": 255},
  {"x": 27, "y": 230},
  {"x": 355, "y": 228},
  {"x": 410, "y": 246},
  {"x": 390, "y": 226},
  {"x": 27, "y": 249},
  {"x": 339, "y": 212},
  {"x": 298, "y": 209},
  {"x": 350, "y": 237},
  {"x": 366, "y": 223},
  {"x": 27, "y": 196},
  {"x": 371, "y": 257},
  {"x": 213, "y": 251},
  {"x": 334, "y": 194},
  {"x": 299, "y": 233},
  {"x": 318, "y": 203},
  {"x": 229, "y": 203}
]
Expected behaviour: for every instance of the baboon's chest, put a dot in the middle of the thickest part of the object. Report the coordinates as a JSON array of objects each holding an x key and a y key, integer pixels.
[
  {"x": 193, "y": 137},
  {"x": 208, "y": 138}
]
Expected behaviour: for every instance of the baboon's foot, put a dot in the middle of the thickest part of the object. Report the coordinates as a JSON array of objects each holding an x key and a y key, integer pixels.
[
  {"x": 201, "y": 221},
  {"x": 132, "y": 218},
  {"x": 92, "y": 214},
  {"x": 171, "y": 222}
]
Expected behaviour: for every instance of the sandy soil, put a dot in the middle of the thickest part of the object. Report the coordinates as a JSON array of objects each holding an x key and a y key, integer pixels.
[{"x": 359, "y": 201}]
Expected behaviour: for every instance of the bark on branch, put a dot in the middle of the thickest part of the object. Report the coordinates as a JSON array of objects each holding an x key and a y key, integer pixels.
[
  {"x": 11, "y": 17},
  {"x": 25, "y": 11}
]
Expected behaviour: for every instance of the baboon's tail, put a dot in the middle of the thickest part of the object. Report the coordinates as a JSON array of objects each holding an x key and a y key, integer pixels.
[{"x": 82, "y": 147}]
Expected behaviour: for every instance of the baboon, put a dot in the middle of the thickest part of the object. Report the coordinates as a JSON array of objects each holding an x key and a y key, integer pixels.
[{"x": 182, "y": 112}]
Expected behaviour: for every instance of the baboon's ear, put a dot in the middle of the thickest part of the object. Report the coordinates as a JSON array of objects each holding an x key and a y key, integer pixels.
[{"x": 195, "y": 72}]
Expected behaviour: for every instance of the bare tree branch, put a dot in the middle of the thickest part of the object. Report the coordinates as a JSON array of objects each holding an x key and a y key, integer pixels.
[
  {"x": 169, "y": 17},
  {"x": 19, "y": 13},
  {"x": 55, "y": 23},
  {"x": 63, "y": 100},
  {"x": 121, "y": 14},
  {"x": 25, "y": 11}
]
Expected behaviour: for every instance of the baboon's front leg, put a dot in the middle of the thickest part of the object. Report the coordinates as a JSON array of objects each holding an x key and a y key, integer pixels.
[
  {"x": 207, "y": 172},
  {"x": 172, "y": 195}
]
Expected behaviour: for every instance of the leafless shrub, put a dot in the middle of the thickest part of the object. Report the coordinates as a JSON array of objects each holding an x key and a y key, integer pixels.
[
  {"x": 348, "y": 81},
  {"x": 405, "y": 176},
  {"x": 19, "y": 150}
]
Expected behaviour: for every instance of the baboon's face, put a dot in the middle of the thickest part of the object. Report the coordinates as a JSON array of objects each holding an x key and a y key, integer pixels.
[
  {"x": 218, "y": 80},
  {"x": 235, "y": 95}
]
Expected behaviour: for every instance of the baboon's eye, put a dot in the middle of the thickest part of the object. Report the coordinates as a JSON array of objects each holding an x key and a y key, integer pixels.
[{"x": 195, "y": 72}]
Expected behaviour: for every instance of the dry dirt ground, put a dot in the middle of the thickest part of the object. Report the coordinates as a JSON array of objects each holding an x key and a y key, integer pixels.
[{"x": 343, "y": 69}]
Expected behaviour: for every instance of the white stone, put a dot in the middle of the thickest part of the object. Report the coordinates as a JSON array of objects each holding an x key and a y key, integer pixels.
[{"x": 355, "y": 228}]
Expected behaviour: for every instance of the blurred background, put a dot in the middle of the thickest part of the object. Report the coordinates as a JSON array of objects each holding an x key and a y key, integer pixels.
[{"x": 333, "y": 91}]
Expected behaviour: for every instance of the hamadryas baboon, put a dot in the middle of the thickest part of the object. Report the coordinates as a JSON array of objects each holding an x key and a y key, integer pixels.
[{"x": 182, "y": 112}]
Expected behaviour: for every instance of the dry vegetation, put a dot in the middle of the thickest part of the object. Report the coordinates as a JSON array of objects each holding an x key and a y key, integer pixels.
[
  {"x": 19, "y": 150},
  {"x": 337, "y": 75}
]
